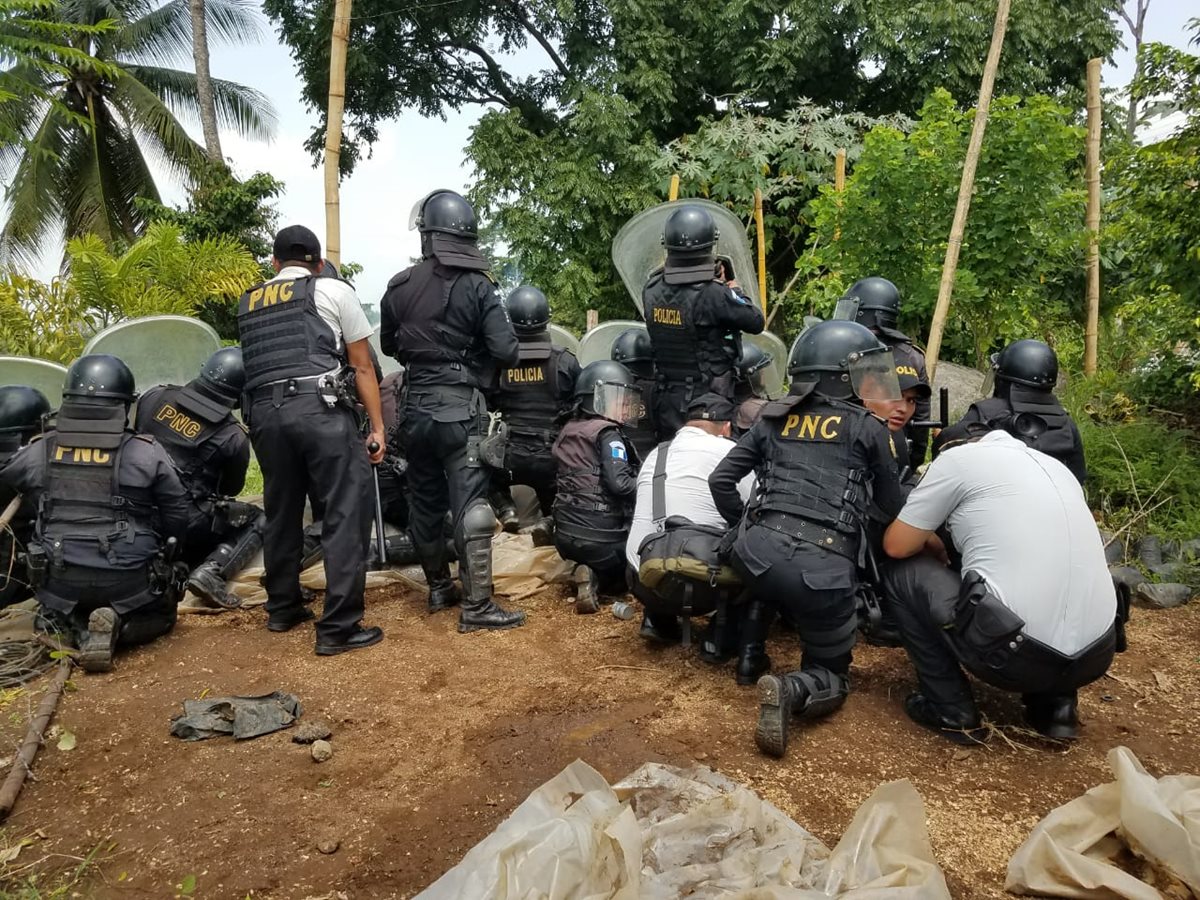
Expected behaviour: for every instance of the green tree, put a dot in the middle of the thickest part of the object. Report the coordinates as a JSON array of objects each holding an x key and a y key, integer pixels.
[
  {"x": 78, "y": 165},
  {"x": 1019, "y": 274},
  {"x": 46, "y": 321}
]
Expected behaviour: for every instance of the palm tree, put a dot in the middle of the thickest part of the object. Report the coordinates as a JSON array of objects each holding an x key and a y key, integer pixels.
[
  {"x": 79, "y": 164},
  {"x": 204, "y": 89}
]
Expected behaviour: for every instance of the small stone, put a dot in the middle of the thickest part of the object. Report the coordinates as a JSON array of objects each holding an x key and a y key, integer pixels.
[
  {"x": 1163, "y": 596},
  {"x": 1167, "y": 572},
  {"x": 1114, "y": 549},
  {"x": 307, "y": 732},
  {"x": 1127, "y": 575},
  {"x": 322, "y": 750},
  {"x": 328, "y": 845},
  {"x": 1150, "y": 551}
]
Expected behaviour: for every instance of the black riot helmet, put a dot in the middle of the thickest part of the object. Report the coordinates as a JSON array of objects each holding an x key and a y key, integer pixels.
[
  {"x": 99, "y": 375},
  {"x": 445, "y": 212},
  {"x": 845, "y": 360},
  {"x": 873, "y": 302},
  {"x": 608, "y": 389},
  {"x": 528, "y": 309},
  {"x": 22, "y": 410},
  {"x": 751, "y": 363},
  {"x": 1029, "y": 363},
  {"x": 689, "y": 229},
  {"x": 223, "y": 375},
  {"x": 632, "y": 346}
]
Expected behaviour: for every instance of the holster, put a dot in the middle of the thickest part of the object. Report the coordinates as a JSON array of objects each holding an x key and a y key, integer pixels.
[{"x": 36, "y": 562}]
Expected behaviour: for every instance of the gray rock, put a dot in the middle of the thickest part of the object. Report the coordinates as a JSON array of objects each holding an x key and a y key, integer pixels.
[
  {"x": 1163, "y": 596},
  {"x": 966, "y": 386},
  {"x": 307, "y": 732},
  {"x": 323, "y": 750},
  {"x": 328, "y": 845},
  {"x": 1127, "y": 575},
  {"x": 1167, "y": 572},
  {"x": 1150, "y": 551},
  {"x": 1190, "y": 549},
  {"x": 1114, "y": 548}
]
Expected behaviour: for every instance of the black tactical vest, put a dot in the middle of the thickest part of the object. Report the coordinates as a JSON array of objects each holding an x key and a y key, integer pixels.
[
  {"x": 681, "y": 350},
  {"x": 810, "y": 470},
  {"x": 579, "y": 484},
  {"x": 184, "y": 427},
  {"x": 282, "y": 334},
  {"x": 1058, "y": 440},
  {"x": 420, "y": 297},
  {"x": 527, "y": 393}
]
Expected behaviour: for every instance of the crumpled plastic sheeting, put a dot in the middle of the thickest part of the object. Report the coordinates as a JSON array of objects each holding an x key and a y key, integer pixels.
[
  {"x": 665, "y": 832},
  {"x": 1070, "y": 852},
  {"x": 243, "y": 717}
]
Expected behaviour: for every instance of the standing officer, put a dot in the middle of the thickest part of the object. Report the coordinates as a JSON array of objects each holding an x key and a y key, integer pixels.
[
  {"x": 298, "y": 331},
  {"x": 211, "y": 451},
  {"x": 821, "y": 458},
  {"x": 632, "y": 350},
  {"x": 1023, "y": 403},
  {"x": 534, "y": 396},
  {"x": 110, "y": 511},
  {"x": 875, "y": 303},
  {"x": 23, "y": 412},
  {"x": 443, "y": 320},
  {"x": 695, "y": 314}
]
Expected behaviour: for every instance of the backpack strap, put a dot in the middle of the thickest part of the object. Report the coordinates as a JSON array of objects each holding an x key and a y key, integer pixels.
[{"x": 658, "y": 506}]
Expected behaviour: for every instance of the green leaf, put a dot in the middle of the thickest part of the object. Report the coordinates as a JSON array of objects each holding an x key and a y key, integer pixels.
[{"x": 66, "y": 740}]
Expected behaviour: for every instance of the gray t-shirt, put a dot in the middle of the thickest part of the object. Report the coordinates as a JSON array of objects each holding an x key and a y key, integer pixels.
[{"x": 1020, "y": 520}]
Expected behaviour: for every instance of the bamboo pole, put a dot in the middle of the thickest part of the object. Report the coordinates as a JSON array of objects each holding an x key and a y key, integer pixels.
[
  {"x": 333, "y": 130},
  {"x": 33, "y": 741},
  {"x": 957, "y": 229},
  {"x": 762, "y": 249},
  {"x": 839, "y": 181},
  {"x": 1091, "y": 334},
  {"x": 593, "y": 319},
  {"x": 673, "y": 191}
]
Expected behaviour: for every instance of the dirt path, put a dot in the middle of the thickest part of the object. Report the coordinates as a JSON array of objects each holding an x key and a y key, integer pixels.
[{"x": 438, "y": 736}]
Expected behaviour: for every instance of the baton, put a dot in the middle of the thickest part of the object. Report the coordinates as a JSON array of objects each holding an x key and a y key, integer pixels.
[{"x": 381, "y": 543}]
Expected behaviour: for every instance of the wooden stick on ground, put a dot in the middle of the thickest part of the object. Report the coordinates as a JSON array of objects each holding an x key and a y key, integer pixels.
[{"x": 21, "y": 766}]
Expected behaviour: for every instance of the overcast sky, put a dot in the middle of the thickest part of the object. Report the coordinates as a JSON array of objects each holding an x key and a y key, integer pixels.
[{"x": 414, "y": 155}]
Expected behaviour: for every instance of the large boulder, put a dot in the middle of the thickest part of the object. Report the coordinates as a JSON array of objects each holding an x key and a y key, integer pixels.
[
  {"x": 1163, "y": 596},
  {"x": 965, "y": 385}
]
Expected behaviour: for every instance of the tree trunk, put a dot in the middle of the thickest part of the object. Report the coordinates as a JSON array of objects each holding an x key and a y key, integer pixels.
[
  {"x": 338, "y": 45},
  {"x": 1137, "y": 27},
  {"x": 204, "y": 89}
]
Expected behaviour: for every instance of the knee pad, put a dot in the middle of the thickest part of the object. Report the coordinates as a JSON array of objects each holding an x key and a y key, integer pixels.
[{"x": 478, "y": 522}]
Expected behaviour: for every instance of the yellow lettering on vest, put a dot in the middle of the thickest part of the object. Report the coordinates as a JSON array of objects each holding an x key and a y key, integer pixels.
[
  {"x": 272, "y": 294},
  {"x": 667, "y": 316},
  {"x": 100, "y": 457},
  {"x": 285, "y": 291},
  {"x": 808, "y": 428},
  {"x": 82, "y": 455},
  {"x": 60, "y": 451},
  {"x": 792, "y": 422},
  {"x": 532, "y": 375},
  {"x": 255, "y": 296},
  {"x": 166, "y": 412},
  {"x": 827, "y": 432}
]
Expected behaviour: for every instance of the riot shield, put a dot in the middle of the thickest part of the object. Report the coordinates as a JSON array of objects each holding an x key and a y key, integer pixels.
[
  {"x": 560, "y": 337},
  {"x": 386, "y": 363},
  {"x": 775, "y": 378},
  {"x": 637, "y": 249},
  {"x": 158, "y": 349},
  {"x": 46, "y": 377},
  {"x": 597, "y": 343}
]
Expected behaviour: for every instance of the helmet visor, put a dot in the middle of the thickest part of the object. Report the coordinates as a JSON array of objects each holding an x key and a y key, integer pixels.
[
  {"x": 989, "y": 377},
  {"x": 847, "y": 309},
  {"x": 414, "y": 217},
  {"x": 618, "y": 402},
  {"x": 873, "y": 375}
]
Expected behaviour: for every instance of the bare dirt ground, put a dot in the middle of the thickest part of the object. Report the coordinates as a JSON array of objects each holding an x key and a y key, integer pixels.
[{"x": 438, "y": 736}]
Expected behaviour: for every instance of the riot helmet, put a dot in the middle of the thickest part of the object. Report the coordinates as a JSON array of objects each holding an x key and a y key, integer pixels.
[
  {"x": 689, "y": 229},
  {"x": 632, "y": 346},
  {"x": 873, "y": 302},
  {"x": 223, "y": 375},
  {"x": 528, "y": 309},
  {"x": 1029, "y": 363},
  {"x": 751, "y": 366},
  {"x": 99, "y": 375},
  {"x": 845, "y": 360},
  {"x": 329, "y": 269},
  {"x": 22, "y": 410},
  {"x": 445, "y": 212},
  {"x": 608, "y": 389}
]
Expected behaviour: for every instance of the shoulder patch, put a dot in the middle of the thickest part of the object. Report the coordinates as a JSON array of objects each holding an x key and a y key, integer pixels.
[
  {"x": 617, "y": 450},
  {"x": 400, "y": 277}
]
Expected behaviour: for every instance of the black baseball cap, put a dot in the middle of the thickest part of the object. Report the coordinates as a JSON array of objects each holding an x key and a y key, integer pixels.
[
  {"x": 908, "y": 378},
  {"x": 711, "y": 408},
  {"x": 297, "y": 243}
]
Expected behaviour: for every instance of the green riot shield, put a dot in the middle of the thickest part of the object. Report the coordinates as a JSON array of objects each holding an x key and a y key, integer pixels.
[{"x": 158, "y": 349}]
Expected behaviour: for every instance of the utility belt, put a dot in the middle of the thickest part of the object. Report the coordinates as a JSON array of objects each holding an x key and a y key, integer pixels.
[
  {"x": 991, "y": 641},
  {"x": 821, "y": 536},
  {"x": 334, "y": 389}
]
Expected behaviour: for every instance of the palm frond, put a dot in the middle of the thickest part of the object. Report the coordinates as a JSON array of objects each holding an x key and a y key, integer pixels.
[
  {"x": 240, "y": 109},
  {"x": 163, "y": 35},
  {"x": 33, "y": 198},
  {"x": 149, "y": 114},
  {"x": 233, "y": 21}
]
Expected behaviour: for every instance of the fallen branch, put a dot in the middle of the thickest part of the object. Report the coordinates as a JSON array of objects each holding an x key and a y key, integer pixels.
[
  {"x": 21, "y": 766},
  {"x": 633, "y": 668}
]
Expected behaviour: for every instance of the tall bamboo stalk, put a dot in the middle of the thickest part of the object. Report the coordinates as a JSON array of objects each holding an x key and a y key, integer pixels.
[
  {"x": 333, "y": 131},
  {"x": 1091, "y": 335},
  {"x": 959, "y": 226},
  {"x": 839, "y": 182},
  {"x": 761, "y": 234}
]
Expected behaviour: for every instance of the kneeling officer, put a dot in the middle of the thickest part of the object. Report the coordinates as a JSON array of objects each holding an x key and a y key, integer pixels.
[
  {"x": 23, "y": 412},
  {"x": 110, "y": 510}
]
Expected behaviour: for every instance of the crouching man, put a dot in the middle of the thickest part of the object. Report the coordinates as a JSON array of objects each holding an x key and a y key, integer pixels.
[{"x": 1033, "y": 610}]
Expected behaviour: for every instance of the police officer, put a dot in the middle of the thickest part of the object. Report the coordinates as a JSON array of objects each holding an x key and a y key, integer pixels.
[
  {"x": 210, "y": 449},
  {"x": 821, "y": 458},
  {"x": 110, "y": 507},
  {"x": 443, "y": 320},
  {"x": 298, "y": 333},
  {"x": 597, "y": 481},
  {"x": 750, "y": 387},
  {"x": 535, "y": 395},
  {"x": 1023, "y": 404},
  {"x": 875, "y": 303},
  {"x": 23, "y": 412},
  {"x": 695, "y": 314},
  {"x": 632, "y": 350}
]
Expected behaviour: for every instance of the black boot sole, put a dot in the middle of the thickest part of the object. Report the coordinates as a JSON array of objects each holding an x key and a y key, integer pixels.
[
  {"x": 335, "y": 649},
  {"x": 467, "y": 628},
  {"x": 771, "y": 733}
]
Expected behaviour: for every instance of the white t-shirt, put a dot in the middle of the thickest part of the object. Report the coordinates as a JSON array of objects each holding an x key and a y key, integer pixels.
[
  {"x": 691, "y": 458},
  {"x": 337, "y": 304},
  {"x": 1020, "y": 520}
]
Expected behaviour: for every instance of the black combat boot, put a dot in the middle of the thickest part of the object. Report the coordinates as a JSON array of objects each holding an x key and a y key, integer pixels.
[
  {"x": 479, "y": 611},
  {"x": 542, "y": 532},
  {"x": 206, "y": 583},
  {"x": 775, "y": 699},
  {"x": 959, "y": 723},
  {"x": 506, "y": 510},
  {"x": 443, "y": 592},
  {"x": 719, "y": 643},
  {"x": 97, "y": 644},
  {"x": 587, "y": 590},
  {"x": 753, "y": 661},
  {"x": 1053, "y": 715}
]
